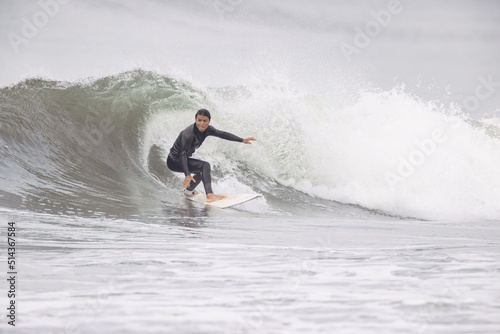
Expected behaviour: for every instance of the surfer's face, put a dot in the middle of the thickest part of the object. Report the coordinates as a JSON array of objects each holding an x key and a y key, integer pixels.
[{"x": 202, "y": 122}]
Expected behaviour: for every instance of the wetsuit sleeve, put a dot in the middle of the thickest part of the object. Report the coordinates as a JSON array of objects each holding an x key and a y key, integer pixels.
[
  {"x": 184, "y": 164},
  {"x": 223, "y": 134},
  {"x": 184, "y": 146}
]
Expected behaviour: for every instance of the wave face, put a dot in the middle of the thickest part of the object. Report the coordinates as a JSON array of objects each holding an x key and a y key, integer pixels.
[
  {"x": 99, "y": 147},
  {"x": 74, "y": 148}
]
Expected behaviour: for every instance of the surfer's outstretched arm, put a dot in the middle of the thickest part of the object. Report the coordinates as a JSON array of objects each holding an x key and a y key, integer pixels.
[{"x": 228, "y": 136}]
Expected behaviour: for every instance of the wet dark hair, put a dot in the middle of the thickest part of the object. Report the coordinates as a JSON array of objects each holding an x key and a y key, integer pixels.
[{"x": 203, "y": 112}]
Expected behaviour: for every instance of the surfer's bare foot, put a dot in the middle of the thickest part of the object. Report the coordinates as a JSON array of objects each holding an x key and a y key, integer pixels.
[
  {"x": 212, "y": 197},
  {"x": 193, "y": 194}
]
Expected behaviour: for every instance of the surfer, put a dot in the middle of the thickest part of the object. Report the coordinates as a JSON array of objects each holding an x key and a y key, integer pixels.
[{"x": 179, "y": 158}]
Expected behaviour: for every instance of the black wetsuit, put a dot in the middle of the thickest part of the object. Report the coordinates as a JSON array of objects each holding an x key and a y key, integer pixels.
[{"x": 184, "y": 146}]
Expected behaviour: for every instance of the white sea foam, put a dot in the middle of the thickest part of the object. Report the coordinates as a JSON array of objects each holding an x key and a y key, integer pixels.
[{"x": 388, "y": 151}]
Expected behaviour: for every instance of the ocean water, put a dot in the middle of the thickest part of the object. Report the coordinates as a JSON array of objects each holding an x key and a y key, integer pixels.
[{"x": 377, "y": 157}]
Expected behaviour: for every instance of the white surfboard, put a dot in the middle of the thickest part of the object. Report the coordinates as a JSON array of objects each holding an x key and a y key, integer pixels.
[{"x": 230, "y": 200}]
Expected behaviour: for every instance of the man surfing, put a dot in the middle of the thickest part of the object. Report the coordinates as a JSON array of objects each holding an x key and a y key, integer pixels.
[{"x": 179, "y": 158}]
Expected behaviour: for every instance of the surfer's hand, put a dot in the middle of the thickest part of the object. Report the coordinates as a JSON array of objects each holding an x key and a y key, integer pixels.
[
  {"x": 187, "y": 181},
  {"x": 247, "y": 140}
]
